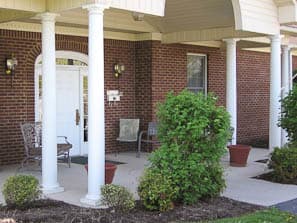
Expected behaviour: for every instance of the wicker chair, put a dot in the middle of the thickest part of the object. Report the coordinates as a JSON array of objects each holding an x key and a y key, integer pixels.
[
  {"x": 151, "y": 136},
  {"x": 32, "y": 135}
]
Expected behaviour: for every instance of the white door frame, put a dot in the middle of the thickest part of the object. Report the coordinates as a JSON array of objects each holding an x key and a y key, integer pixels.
[{"x": 83, "y": 71}]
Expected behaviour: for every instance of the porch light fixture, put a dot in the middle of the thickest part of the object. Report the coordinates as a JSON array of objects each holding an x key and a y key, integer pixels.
[
  {"x": 10, "y": 65},
  {"x": 137, "y": 16},
  {"x": 118, "y": 69}
]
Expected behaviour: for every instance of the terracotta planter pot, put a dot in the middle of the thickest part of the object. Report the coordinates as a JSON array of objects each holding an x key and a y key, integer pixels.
[
  {"x": 239, "y": 155},
  {"x": 109, "y": 172}
]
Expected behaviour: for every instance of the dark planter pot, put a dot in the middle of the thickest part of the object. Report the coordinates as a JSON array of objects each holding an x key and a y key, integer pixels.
[
  {"x": 109, "y": 172},
  {"x": 239, "y": 155}
]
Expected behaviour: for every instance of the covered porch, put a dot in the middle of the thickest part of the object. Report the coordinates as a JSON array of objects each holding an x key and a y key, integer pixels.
[
  {"x": 240, "y": 184},
  {"x": 238, "y": 29}
]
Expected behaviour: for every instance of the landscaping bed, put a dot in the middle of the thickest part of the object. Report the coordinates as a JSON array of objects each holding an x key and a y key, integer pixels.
[
  {"x": 56, "y": 211},
  {"x": 270, "y": 176}
]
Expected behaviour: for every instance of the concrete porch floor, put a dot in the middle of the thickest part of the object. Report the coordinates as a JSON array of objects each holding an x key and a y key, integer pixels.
[{"x": 240, "y": 185}]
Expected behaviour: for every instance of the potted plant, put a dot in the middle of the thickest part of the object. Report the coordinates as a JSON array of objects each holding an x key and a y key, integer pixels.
[
  {"x": 239, "y": 154},
  {"x": 110, "y": 169}
]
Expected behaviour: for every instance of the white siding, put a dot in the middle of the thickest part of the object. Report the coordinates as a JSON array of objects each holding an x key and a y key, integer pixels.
[
  {"x": 256, "y": 16},
  {"x": 154, "y": 7},
  {"x": 25, "y": 5}
]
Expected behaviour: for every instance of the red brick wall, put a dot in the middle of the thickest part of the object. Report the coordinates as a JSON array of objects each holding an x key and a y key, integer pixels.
[
  {"x": 152, "y": 69},
  {"x": 169, "y": 70},
  {"x": 17, "y": 102},
  {"x": 143, "y": 82},
  {"x": 253, "y": 97},
  {"x": 169, "y": 73}
]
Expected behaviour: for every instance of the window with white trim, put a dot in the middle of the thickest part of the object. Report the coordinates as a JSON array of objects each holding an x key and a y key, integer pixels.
[{"x": 197, "y": 72}]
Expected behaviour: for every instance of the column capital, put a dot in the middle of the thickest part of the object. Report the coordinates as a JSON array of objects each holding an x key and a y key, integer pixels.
[
  {"x": 48, "y": 16},
  {"x": 98, "y": 7},
  {"x": 286, "y": 47},
  {"x": 275, "y": 38},
  {"x": 231, "y": 40}
]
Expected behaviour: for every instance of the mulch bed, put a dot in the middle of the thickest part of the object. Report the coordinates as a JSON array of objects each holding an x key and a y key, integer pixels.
[
  {"x": 56, "y": 211},
  {"x": 270, "y": 176}
]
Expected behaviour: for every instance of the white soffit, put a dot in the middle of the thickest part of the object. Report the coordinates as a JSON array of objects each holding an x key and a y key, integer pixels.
[
  {"x": 185, "y": 15},
  {"x": 152, "y": 7}
]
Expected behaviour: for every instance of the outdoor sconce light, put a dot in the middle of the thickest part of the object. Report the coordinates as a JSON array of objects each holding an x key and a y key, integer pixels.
[
  {"x": 118, "y": 69},
  {"x": 137, "y": 16},
  {"x": 10, "y": 65}
]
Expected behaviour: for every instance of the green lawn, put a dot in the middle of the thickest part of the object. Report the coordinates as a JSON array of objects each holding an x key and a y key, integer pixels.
[{"x": 266, "y": 216}]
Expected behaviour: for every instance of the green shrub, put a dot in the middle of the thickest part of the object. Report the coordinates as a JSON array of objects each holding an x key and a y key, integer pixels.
[
  {"x": 117, "y": 197},
  {"x": 20, "y": 190},
  {"x": 284, "y": 163},
  {"x": 193, "y": 132},
  {"x": 288, "y": 120},
  {"x": 156, "y": 191}
]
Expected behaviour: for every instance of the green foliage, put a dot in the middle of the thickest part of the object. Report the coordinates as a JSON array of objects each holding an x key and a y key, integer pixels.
[
  {"x": 269, "y": 216},
  {"x": 288, "y": 120},
  {"x": 194, "y": 123},
  {"x": 193, "y": 132},
  {"x": 156, "y": 191},
  {"x": 284, "y": 163},
  {"x": 20, "y": 190},
  {"x": 117, "y": 197}
]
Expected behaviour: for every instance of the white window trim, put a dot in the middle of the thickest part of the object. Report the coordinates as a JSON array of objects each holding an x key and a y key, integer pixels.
[{"x": 205, "y": 70}]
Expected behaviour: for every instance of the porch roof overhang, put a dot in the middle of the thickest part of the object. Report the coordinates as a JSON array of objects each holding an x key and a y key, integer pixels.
[{"x": 197, "y": 22}]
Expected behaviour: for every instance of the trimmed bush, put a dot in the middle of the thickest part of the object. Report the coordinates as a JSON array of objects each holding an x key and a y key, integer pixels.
[
  {"x": 20, "y": 190},
  {"x": 157, "y": 191},
  {"x": 118, "y": 197},
  {"x": 284, "y": 163},
  {"x": 193, "y": 132},
  {"x": 288, "y": 120}
]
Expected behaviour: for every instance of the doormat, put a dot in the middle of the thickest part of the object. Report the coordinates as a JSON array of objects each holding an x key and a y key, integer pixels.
[
  {"x": 262, "y": 161},
  {"x": 82, "y": 160}
]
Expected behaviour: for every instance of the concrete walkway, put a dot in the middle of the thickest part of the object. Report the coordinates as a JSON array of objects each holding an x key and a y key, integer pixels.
[{"x": 240, "y": 185}]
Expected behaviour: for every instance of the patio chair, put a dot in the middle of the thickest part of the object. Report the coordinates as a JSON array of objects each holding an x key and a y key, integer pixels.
[
  {"x": 151, "y": 136},
  {"x": 231, "y": 130},
  {"x": 128, "y": 130},
  {"x": 32, "y": 135}
]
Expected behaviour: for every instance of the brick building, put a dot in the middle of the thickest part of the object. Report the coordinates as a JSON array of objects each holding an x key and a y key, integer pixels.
[{"x": 230, "y": 48}]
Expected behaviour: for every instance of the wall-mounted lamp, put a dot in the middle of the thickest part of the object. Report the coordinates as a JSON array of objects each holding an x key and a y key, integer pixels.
[
  {"x": 118, "y": 69},
  {"x": 137, "y": 16},
  {"x": 10, "y": 65}
]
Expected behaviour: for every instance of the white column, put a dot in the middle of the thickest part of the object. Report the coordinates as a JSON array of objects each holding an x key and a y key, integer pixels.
[
  {"x": 96, "y": 143},
  {"x": 231, "y": 85},
  {"x": 49, "y": 137},
  {"x": 285, "y": 82},
  {"x": 291, "y": 70},
  {"x": 275, "y": 92}
]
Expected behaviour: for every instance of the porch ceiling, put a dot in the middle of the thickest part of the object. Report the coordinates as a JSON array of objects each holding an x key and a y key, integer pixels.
[
  {"x": 193, "y": 14},
  {"x": 7, "y": 15},
  {"x": 114, "y": 20}
]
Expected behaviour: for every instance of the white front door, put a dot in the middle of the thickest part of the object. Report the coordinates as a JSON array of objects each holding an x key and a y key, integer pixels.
[
  {"x": 71, "y": 105},
  {"x": 68, "y": 106}
]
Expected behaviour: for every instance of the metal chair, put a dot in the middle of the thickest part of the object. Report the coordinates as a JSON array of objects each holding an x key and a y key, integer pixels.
[
  {"x": 231, "y": 130},
  {"x": 128, "y": 130},
  {"x": 151, "y": 134},
  {"x": 32, "y": 135}
]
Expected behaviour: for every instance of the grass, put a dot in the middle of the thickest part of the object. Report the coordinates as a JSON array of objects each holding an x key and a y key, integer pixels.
[{"x": 266, "y": 216}]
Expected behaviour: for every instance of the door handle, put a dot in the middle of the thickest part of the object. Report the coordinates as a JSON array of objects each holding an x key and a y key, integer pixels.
[{"x": 77, "y": 117}]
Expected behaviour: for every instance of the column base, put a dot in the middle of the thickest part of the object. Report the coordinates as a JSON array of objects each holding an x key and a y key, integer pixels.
[
  {"x": 52, "y": 190},
  {"x": 90, "y": 201}
]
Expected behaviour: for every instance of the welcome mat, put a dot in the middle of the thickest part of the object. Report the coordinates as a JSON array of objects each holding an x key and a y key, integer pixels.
[
  {"x": 83, "y": 160},
  {"x": 262, "y": 161}
]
